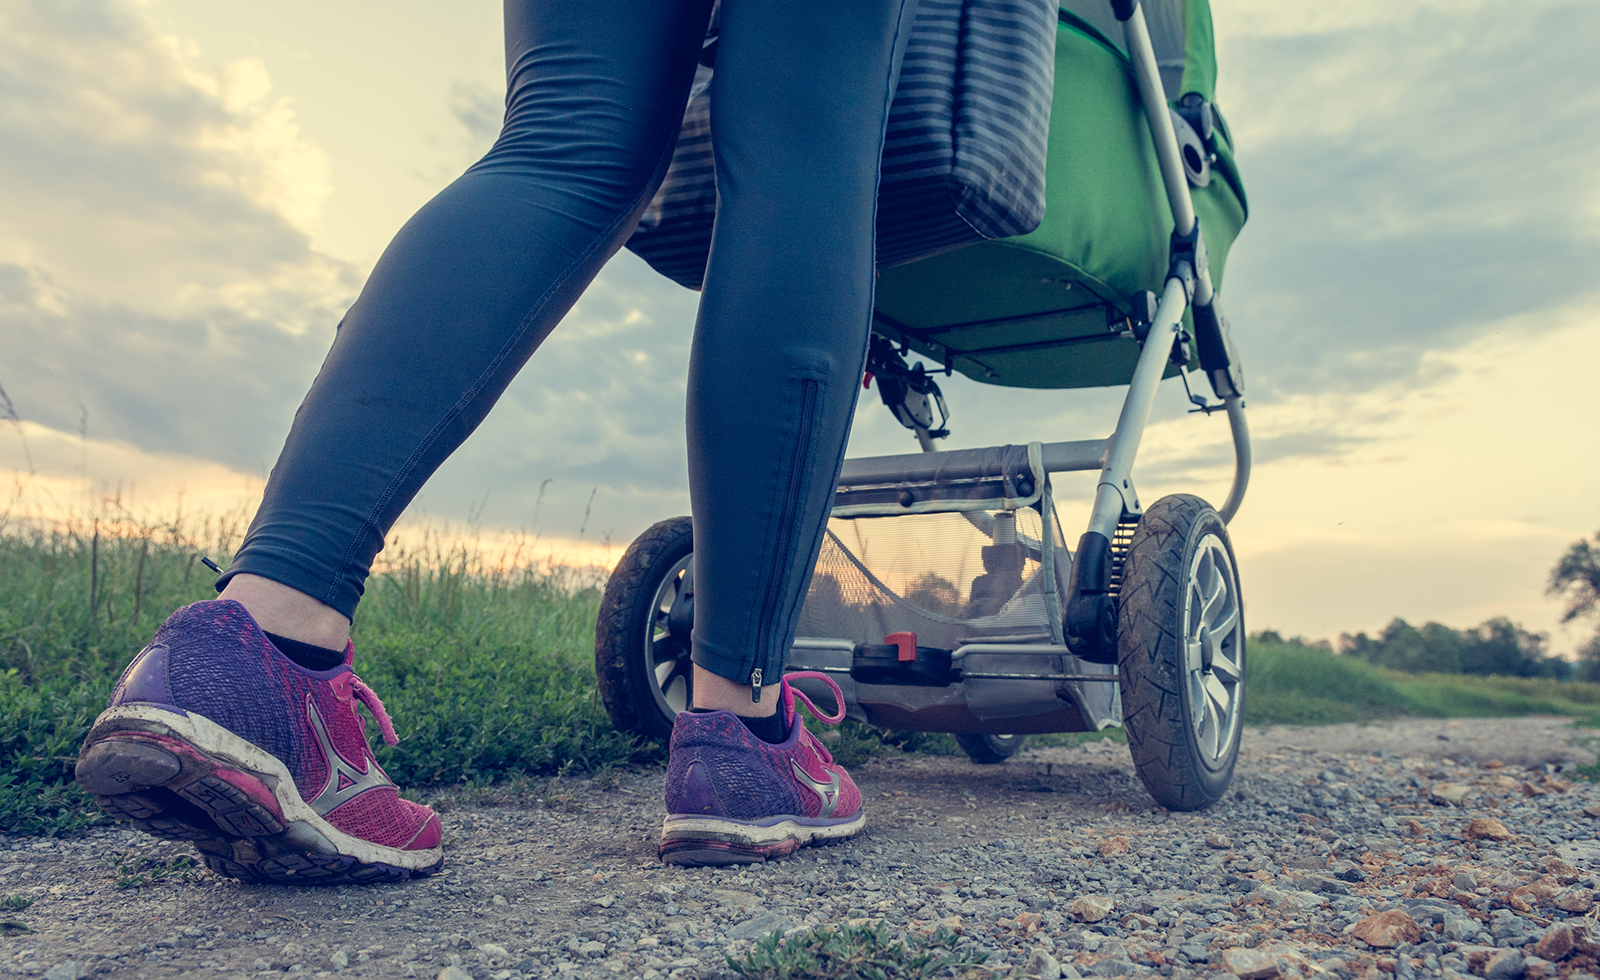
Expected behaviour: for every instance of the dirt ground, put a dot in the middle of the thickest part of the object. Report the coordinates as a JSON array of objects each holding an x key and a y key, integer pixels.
[{"x": 569, "y": 884}]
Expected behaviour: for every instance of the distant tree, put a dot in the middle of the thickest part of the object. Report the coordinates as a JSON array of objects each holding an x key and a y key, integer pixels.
[
  {"x": 1588, "y": 666},
  {"x": 1500, "y": 646},
  {"x": 1433, "y": 649},
  {"x": 1576, "y": 579},
  {"x": 1360, "y": 645}
]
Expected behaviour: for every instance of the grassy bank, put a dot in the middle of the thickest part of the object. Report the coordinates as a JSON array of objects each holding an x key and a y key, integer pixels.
[
  {"x": 487, "y": 671},
  {"x": 1290, "y": 683}
]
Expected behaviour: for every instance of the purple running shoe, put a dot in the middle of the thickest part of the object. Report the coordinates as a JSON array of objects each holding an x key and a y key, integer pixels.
[
  {"x": 734, "y": 799},
  {"x": 214, "y": 736}
]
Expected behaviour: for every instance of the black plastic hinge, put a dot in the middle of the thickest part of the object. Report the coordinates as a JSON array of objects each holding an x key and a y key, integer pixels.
[
  {"x": 1186, "y": 256},
  {"x": 1090, "y": 620},
  {"x": 1142, "y": 314},
  {"x": 1218, "y": 359},
  {"x": 1123, "y": 8}
]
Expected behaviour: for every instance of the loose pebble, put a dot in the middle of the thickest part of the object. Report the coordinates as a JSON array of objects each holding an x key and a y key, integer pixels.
[
  {"x": 1387, "y": 930},
  {"x": 1487, "y": 827}
]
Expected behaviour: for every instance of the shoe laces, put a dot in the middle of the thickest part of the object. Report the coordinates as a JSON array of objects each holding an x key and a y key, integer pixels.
[
  {"x": 794, "y": 694},
  {"x": 366, "y": 696}
]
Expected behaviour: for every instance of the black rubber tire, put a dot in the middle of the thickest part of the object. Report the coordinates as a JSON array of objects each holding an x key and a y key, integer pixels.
[
  {"x": 1152, "y": 657},
  {"x": 989, "y": 750},
  {"x": 628, "y": 686}
]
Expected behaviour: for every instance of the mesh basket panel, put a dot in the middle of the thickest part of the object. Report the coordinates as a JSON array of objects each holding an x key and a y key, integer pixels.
[{"x": 940, "y": 576}]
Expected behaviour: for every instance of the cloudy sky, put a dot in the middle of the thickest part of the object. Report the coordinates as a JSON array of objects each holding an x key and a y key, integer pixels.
[{"x": 192, "y": 191}]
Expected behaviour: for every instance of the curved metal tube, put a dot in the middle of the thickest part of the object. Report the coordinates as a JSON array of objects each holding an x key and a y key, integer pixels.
[
  {"x": 1147, "y": 76},
  {"x": 1241, "y": 457}
]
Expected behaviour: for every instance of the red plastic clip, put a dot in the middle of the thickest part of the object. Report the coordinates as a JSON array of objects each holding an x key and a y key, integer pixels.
[
  {"x": 866, "y": 380},
  {"x": 907, "y": 642}
]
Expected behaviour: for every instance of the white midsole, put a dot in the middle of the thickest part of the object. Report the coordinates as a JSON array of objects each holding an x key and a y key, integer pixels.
[
  {"x": 784, "y": 830},
  {"x": 216, "y": 741}
]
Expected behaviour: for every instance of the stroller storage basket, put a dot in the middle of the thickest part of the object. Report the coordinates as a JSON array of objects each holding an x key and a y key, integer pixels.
[{"x": 969, "y": 566}]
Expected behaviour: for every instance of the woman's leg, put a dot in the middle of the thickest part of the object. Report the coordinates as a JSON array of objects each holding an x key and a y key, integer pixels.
[
  {"x": 474, "y": 283},
  {"x": 799, "y": 103},
  {"x": 251, "y": 745}
]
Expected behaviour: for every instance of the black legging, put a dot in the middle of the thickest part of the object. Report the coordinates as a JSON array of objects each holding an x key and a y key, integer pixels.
[{"x": 478, "y": 278}]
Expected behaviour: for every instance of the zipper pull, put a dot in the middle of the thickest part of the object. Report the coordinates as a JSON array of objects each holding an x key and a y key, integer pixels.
[{"x": 755, "y": 686}]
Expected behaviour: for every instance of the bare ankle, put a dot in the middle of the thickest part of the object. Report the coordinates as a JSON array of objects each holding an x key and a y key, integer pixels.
[{"x": 289, "y": 612}]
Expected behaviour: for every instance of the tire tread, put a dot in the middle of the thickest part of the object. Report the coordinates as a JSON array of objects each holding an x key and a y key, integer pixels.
[{"x": 1150, "y": 614}]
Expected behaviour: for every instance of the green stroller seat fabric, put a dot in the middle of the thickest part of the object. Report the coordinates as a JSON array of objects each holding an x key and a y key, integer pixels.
[{"x": 1043, "y": 310}]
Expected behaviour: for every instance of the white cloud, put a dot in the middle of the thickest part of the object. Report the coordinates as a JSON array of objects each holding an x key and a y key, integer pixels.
[
  {"x": 1274, "y": 19},
  {"x": 155, "y": 264},
  {"x": 133, "y": 177}
]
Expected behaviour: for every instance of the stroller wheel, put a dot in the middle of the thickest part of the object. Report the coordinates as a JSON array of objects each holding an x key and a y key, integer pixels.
[
  {"x": 641, "y": 639},
  {"x": 989, "y": 750},
  {"x": 1181, "y": 653}
]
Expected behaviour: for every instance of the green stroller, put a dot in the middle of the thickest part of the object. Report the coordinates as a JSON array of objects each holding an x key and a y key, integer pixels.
[{"x": 946, "y": 597}]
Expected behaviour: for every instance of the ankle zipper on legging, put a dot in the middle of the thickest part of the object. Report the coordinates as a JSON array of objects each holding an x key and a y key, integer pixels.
[{"x": 798, "y": 465}]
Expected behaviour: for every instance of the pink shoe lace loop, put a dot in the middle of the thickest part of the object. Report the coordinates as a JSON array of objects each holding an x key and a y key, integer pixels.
[
  {"x": 792, "y": 694},
  {"x": 365, "y": 695}
]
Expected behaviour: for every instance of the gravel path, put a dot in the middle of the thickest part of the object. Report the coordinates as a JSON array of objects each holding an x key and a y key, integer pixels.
[{"x": 1412, "y": 848}]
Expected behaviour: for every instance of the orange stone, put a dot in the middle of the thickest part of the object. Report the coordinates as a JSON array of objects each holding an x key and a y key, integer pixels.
[
  {"x": 1555, "y": 945},
  {"x": 1487, "y": 827},
  {"x": 1386, "y": 930},
  {"x": 1112, "y": 846}
]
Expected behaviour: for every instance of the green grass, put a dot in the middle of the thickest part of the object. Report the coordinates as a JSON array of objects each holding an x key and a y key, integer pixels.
[
  {"x": 136, "y": 870},
  {"x": 486, "y": 672},
  {"x": 864, "y": 952},
  {"x": 1290, "y": 683}
]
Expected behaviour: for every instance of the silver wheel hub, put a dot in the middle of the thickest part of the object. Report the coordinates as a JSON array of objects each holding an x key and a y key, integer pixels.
[
  {"x": 1213, "y": 632},
  {"x": 666, "y": 658}
]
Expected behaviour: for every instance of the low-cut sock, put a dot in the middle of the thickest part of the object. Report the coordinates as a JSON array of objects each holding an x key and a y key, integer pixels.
[
  {"x": 770, "y": 729},
  {"x": 308, "y": 655}
]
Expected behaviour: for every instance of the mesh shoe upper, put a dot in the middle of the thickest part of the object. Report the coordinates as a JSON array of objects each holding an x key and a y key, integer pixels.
[
  {"x": 719, "y": 769},
  {"x": 211, "y": 658}
]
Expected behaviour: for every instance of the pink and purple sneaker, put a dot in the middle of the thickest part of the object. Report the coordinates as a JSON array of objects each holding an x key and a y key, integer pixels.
[
  {"x": 734, "y": 799},
  {"x": 214, "y": 736}
]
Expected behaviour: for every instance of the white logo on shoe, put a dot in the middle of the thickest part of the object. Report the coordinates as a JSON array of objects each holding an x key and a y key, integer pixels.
[
  {"x": 827, "y": 793},
  {"x": 345, "y": 782}
]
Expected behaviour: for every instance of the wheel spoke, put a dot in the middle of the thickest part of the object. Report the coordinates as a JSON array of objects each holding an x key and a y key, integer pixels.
[
  {"x": 668, "y": 596},
  {"x": 1218, "y": 694},
  {"x": 1211, "y": 739},
  {"x": 664, "y": 671},
  {"x": 1220, "y": 629},
  {"x": 1226, "y": 668},
  {"x": 1215, "y": 596},
  {"x": 663, "y": 650},
  {"x": 673, "y": 694}
]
